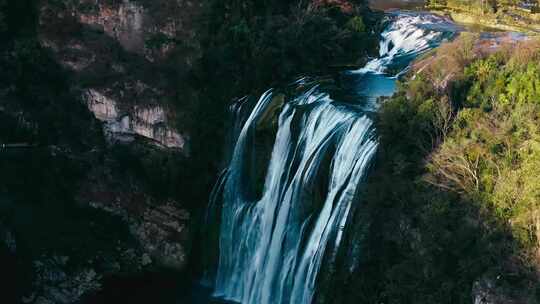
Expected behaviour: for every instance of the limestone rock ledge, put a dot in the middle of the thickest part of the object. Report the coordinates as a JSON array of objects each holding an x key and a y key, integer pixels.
[{"x": 124, "y": 125}]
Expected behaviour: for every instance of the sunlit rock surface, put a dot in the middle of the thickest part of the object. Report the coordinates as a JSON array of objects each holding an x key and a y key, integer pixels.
[{"x": 123, "y": 125}]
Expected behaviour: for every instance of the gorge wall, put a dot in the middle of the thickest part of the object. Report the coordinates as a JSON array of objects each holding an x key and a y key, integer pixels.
[{"x": 122, "y": 108}]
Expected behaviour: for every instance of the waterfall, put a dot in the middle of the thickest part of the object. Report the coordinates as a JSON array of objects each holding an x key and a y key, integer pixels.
[
  {"x": 406, "y": 37},
  {"x": 275, "y": 234},
  {"x": 271, "y": 248}
]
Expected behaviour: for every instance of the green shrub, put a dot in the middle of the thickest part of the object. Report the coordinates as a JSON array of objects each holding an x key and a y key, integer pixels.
[{"x": 356, "y": 24}]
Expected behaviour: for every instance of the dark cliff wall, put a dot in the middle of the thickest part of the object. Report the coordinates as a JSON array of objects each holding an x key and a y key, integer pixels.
[{"x": 123, "y": 107}]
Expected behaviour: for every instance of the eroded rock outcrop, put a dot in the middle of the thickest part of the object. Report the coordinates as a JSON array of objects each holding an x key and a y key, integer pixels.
[
  {"x": 161, "y": 228},
  {"x": 124, "y": 62},
  {"x": 119, "y": 53},
  {"x": 487, "y": 291},
  {"x": 124, "y": 22},
  {"x": 53, "y": 284},
  {"x": 164, "y": 234},
  {"x": 148, "y": 28},
  {"x": 125, "y": 124}
]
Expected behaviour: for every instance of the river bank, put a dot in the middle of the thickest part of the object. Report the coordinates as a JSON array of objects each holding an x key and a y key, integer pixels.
[
  {"x": 505, "y": 19},
  {"x": 508, "y": 19}
]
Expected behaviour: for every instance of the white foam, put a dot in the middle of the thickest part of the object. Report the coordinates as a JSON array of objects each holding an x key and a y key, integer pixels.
[{"x": 407, "y": 35}]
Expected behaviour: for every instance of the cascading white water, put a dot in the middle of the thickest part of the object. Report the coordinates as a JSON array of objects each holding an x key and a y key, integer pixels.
[
  {"x": 272, "y": 244},
  {"x": 271, "y": 248},
  {"x": 407, "y": 36}
]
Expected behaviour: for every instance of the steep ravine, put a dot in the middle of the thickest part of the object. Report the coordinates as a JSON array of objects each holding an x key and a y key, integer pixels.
[
  {"x": 118, "y": 116},
  {"x": 123, "y": 107}
]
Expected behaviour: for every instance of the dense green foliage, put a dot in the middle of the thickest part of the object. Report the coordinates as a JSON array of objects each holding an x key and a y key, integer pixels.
[
  {"x": 454, "y": 197},
  {"x": 496, "y": 136},
  {"x": 253, "y": 44}
]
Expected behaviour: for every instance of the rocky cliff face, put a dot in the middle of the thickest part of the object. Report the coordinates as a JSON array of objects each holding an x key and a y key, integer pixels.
[
  {"x": 112, "y": 74},
  {"x": 121, "y": 105},
  {"x": 120, "y": 55},
  {"x": 150, "y": 122},
  {"x": 126, "y": 60}
]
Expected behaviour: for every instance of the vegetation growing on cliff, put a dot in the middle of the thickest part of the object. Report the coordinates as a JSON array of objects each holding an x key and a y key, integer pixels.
[
  {"x": 454, "y": 198},
  {"x": 491, "y": 155}
]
